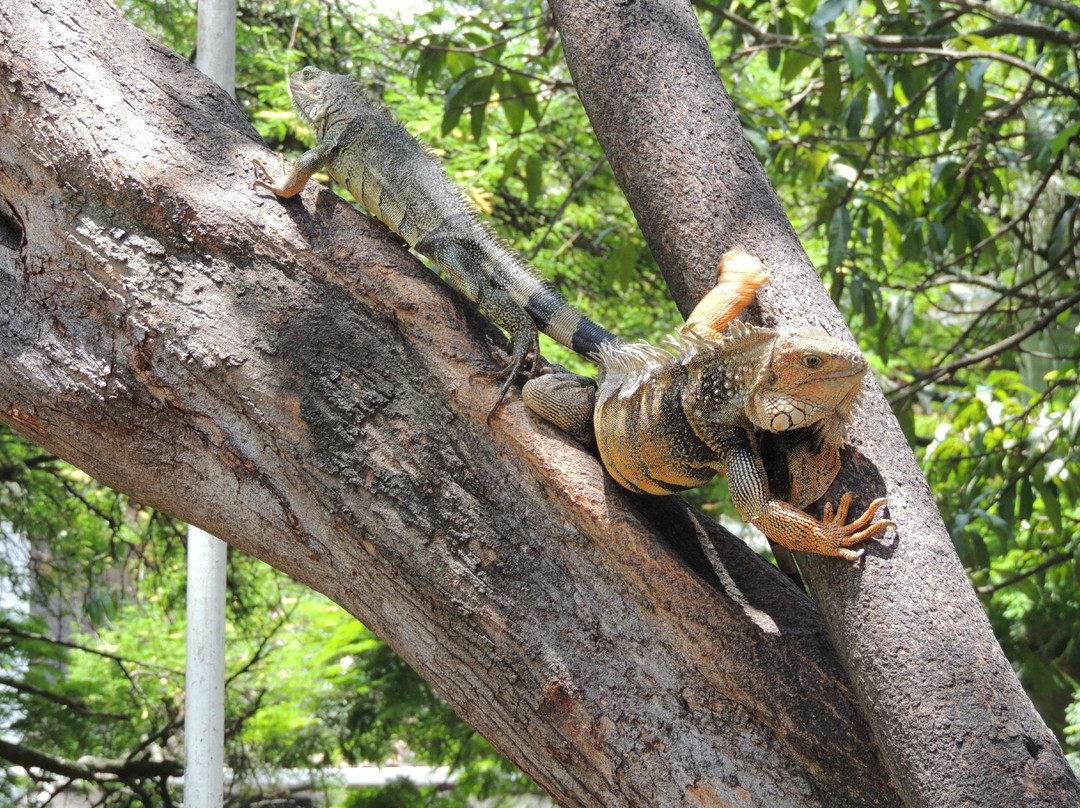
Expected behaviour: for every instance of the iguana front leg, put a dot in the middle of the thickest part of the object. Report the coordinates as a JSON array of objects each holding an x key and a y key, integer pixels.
[
  {"x": 291, "y": 182},
  {"x": 739, "y": 276},
  {"x": 782, "y": 523}
]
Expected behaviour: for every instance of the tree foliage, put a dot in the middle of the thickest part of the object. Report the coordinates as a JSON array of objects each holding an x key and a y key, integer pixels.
[{"x": 927, "y": 155}]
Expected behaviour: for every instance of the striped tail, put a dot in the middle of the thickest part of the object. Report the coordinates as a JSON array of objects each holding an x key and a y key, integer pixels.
[{"x": 402, "y": 184}]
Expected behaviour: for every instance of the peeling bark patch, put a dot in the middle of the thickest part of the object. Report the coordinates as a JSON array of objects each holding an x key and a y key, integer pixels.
[{"x": 24, "y": 418}]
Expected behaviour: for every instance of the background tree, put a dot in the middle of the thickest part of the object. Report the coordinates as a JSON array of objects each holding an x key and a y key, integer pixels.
[{"x": 473, "y": 64}]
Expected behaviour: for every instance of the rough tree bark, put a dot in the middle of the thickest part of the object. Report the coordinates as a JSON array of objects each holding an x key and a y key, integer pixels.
[
  {"x": 952, "y": 721},
  {"x": 286, "y": 377}
]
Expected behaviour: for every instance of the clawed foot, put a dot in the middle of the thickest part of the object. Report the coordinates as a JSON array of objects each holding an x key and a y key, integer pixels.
[
  {"x": 839, "y": 537},
  {"x": 268, "y": 182},
  {"x": 510, "y": 367}
]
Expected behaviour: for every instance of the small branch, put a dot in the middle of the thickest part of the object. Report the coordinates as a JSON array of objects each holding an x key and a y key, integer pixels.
[
  {"x": 988, "y": 352},
  {"x": 1053, "y": 561},
  {"x": 1012, "y": 61},
  {"x": 1067, "y": 7},
  {"x": 554, "y": 220},
  {"x": 1005, "y": 24},
  {"x": 92, "y": 769},
  {"x": 63, "y": 701},
  {"x": 6, "y": 629}
]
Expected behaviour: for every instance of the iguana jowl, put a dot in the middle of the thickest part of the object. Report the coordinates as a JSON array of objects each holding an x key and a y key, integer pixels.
[{"x": 662, "y": 421}]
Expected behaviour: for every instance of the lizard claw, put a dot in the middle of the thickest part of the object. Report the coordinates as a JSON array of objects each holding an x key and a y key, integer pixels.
[
  {"x": 513, "y": 366},
  {"x": 263, "y": 177},
  {"x": 839, "y": 537}
]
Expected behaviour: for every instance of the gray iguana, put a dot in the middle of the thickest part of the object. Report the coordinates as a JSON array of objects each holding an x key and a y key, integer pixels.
[{"x": 662, "y": 421}]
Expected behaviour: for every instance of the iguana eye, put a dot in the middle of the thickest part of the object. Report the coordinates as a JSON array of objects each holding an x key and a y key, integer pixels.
[{"x": 812, "y": 361}]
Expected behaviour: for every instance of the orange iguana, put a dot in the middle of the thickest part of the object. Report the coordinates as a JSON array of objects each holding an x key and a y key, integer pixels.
[
  {"x": 662, "y": 421},
  {"x": 665, "y": 421}
]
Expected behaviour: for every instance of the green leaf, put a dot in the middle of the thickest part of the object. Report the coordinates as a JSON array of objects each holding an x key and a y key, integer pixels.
[
  {"x": 1051, "y": 504},
  {"x": 826, "y": 13},
  {"x": 839, "y": 232},
  {"x": 969, "y": 111},
  {"x": 830, "y": 91},
  {"x": 979, "y": 550},
  {"x": 620, "y": 267},
  {"x": 1027, "y": 499},
  {"x": 431, "y": 63},
  {"x": 477, "y": 114},
  {"x": 458, "y": 62},
  {"x": 854, "y": 119},
  {"x": 946, "y": 96},
  {"x": 1007, "y": 505},
  {"x": 854, "y": 55},
  {"x": 902, "y": 312},
  {"x": 513, "y": 106},
  {"x": 975, "y": 72},
  {"x": 510, "y": 164},
  {"x": 472, "y": 94},
  {"x": 454, "y": 103},
  {"x": 877, "y": 238},
  {"x": 527, "y": 96},
  {"x": 1062, "y": 139},
  {"x": 795, "y": 62},
  {"x": 534, "y": 178},
  {"x": 911, "y": 82},
  {"x": 905, "y": 416},
  {"x": 939, "y": 236},
  {"x": 1061, "y": 234},
  {"x": 879, "y": 85}
]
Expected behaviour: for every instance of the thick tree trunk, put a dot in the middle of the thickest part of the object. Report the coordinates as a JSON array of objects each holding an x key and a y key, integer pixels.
[
  {"x": 954, "y": 725},
  {"x": 285, "y": 376}
]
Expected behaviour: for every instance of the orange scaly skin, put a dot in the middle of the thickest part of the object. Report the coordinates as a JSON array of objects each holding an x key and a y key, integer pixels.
[{"x": 665, "y": 422}]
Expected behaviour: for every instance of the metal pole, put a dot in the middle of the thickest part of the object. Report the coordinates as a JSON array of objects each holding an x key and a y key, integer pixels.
[
  {"x": 204, "y": 698},
  {"x": 204, "y": 695}
]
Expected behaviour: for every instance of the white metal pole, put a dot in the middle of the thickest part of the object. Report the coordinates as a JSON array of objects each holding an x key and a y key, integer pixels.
[
  {"x": 204, "y": 698},
  {"x": 215, "y": 49},
  {"x": 204, "y": 695}
]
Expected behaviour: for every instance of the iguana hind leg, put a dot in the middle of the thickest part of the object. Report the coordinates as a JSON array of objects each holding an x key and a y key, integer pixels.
[{"x": 565, "y": 399}]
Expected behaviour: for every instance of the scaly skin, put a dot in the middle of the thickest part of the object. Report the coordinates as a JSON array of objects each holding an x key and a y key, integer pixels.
[
  {"x": 383, "y": 166},
  {"x": 662, "y": 422},
  {"x": 666, "y": 422}
]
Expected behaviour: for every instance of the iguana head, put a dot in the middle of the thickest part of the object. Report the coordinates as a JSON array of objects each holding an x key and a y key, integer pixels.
[
  {"x": 326, "y": 99},
  {"x": 307, "y": 88},
  {"x": 312, "y": 90},
  {"x": 810, "y": 376}
]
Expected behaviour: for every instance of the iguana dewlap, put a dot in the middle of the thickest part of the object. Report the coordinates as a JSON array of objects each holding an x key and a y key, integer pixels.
[
  {"x": 665, "y": 421},
  {"x": 362, "y": 147}
]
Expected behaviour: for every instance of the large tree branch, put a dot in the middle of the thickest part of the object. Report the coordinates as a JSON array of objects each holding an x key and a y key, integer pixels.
[
  {"x": 286, "y": 377},
  {"x": 952, "y": 721}
]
